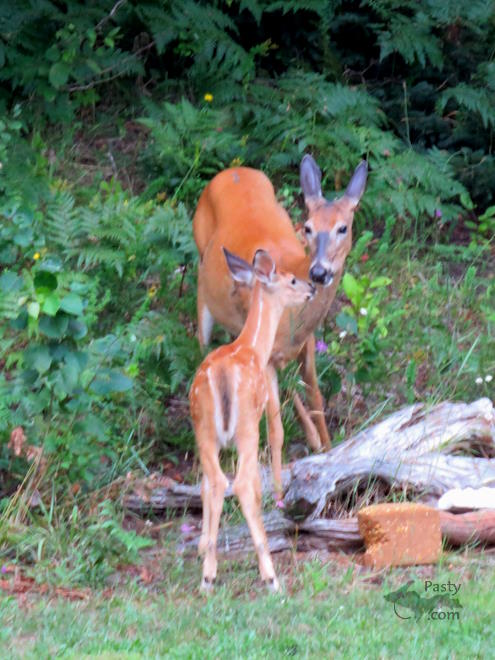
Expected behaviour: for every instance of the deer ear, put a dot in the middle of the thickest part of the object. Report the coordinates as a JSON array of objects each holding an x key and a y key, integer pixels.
[
  {"x": 263, "y": 266},
  {"x": 357, "y": 184},
  {"x": 310, "y": 177},
  {"x": 240, "y": 270}
]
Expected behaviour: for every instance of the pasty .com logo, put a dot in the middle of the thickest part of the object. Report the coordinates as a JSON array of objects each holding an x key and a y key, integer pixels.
[{"x": 439, "y": 602}]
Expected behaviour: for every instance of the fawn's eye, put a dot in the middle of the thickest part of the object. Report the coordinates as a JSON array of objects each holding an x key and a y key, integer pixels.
[
  {"x": 307, "y": 229},
  {"x": 293, "y": 281},
  {"x": 342, "y": 230}
]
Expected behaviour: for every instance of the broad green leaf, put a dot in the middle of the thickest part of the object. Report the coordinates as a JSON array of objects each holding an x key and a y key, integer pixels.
[
  {"x": 59, "y": 74},
  {"x": 110, "y": 380},
  {"x": 72, "y": 304},
  {"x": 51, "y": 304},
  {"x": 77, "y": 329},
  {"x": 24, "y": 237},
  {"x": 51, "y": 263},
  {"x": 10, "y": 282},
  {"x": 33, "y": 309},
  {"x": 39, "y": 358},
  {"x": 489, "y": 213},
  {"x": 352, "y": 289},
  {"x": 466, "y": 201},
  {"x": 45, "y": 282},
  {"x": 109, "y": 345},
  {"x": 54, "y": 327},
  {"x": 380, "y": 281}
]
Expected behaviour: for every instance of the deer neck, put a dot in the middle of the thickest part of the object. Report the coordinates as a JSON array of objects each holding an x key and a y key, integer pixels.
[{"x": 261, "y": 323}]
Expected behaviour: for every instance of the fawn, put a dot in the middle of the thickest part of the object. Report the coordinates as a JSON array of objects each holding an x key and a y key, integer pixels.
[{"x": 227, "y": 399}]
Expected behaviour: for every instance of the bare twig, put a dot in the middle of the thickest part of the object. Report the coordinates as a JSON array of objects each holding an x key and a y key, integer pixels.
[{"x": 112, "y": 13}]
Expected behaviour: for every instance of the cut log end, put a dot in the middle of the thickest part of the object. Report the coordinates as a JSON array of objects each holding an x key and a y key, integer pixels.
[{"x": 400, "y": 534}]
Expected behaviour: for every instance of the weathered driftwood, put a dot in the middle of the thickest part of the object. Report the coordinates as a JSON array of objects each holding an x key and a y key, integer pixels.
[
  {"x": 403, "y": 451},
  {"x": 173, "y": 495},
  {"x": 399, "y": 450},
  {"x": 284, "y": 534}
]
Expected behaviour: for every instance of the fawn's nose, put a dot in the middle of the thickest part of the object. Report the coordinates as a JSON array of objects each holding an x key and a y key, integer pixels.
[{"x": 312, "y": 291}]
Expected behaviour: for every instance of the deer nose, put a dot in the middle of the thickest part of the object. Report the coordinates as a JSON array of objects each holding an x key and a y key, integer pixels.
[{"x": 317, "y": 273}]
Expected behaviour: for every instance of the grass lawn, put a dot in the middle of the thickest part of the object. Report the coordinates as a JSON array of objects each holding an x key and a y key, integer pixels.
[{"x": 329, "y": 608}]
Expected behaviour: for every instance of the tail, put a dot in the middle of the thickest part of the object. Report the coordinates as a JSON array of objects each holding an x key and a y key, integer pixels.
[{"x": 224, "y": 392}]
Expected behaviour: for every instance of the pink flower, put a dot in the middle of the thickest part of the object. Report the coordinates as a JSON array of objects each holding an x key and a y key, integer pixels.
[
  {"x": 280, "y": 504},
  {"x": 321, "y": 347},
  {"x": 4, "y": 569},
  {"x": 438, "y": 213},
  {"x": 186, "y": 529}
]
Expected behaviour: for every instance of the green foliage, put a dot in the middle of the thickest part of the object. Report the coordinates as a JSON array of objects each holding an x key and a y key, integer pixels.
[
  {"x": 73, "y": 548},
  {"x": 72, "y": 362}
]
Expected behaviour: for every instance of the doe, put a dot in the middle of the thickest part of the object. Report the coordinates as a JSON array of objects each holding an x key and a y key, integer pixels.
[{"x": 227, "y": 399}]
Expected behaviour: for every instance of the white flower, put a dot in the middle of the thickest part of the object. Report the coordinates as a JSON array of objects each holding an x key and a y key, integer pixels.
[
  {"x": 363, "y": 311},
  {"x": 133, "y": 338},
  {"x": 489, "y": 378},
  {"x": 479, "y": 380},
  {"x": 343, "y": 334}
]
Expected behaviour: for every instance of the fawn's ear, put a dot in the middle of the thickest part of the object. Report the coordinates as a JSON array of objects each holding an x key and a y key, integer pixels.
[
  {"x": 310, "y": 177},
  {"x": 357, "y": 184},
  {"x": 240, "y": 270},
  {"x": 263, "y": 266}
]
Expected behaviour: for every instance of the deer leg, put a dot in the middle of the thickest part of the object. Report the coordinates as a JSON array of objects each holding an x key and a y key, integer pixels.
[
  {"x": 215, "y": 483},
  {"x": 275, "y": 429},
  {"x": 247, "y": 487},
  {"x": 205, "y": 318},
  {"x": 313, "y": 394},
  {"x": 205, "y": 527},
  {"x": 312, "y": 435}
]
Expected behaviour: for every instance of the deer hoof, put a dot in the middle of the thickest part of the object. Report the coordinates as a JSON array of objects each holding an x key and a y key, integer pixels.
[
  {"x": 273, "y": 584},
  {"x": 207, "y": 583}
]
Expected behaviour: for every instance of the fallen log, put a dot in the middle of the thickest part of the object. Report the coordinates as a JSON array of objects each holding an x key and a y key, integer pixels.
[
  {"x": 315, "y": 483},
  {"x": 283, "y": 534},
  {"x": 404, "y": 452},
  {"x": 162, "y": 494},
  {"x": 475, "y": 528},
  {"x": 398, "y": 450}
]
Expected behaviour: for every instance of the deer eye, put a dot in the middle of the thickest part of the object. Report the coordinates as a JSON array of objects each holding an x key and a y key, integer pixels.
[
  {"x": 307, "y": 229},
  {"x": 342, "y": 230},
  {"x": 293, "y": 281}
]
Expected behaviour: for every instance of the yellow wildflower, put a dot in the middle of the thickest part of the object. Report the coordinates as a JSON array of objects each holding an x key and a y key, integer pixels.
[
  {"x": 208, "y": 97},
  {"x": 36, "y": 256},
  {"x": 152, "y": 291}
]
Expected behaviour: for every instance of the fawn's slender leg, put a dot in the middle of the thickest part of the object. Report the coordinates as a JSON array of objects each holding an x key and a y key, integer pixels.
[
  {"x": 313, "y": 394},
  {"x": 247, "y": 487},
  {"x": 216, "y": 484},
  {"x": 205, "y": 527},
  {"x": 275, "y": 429}
]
